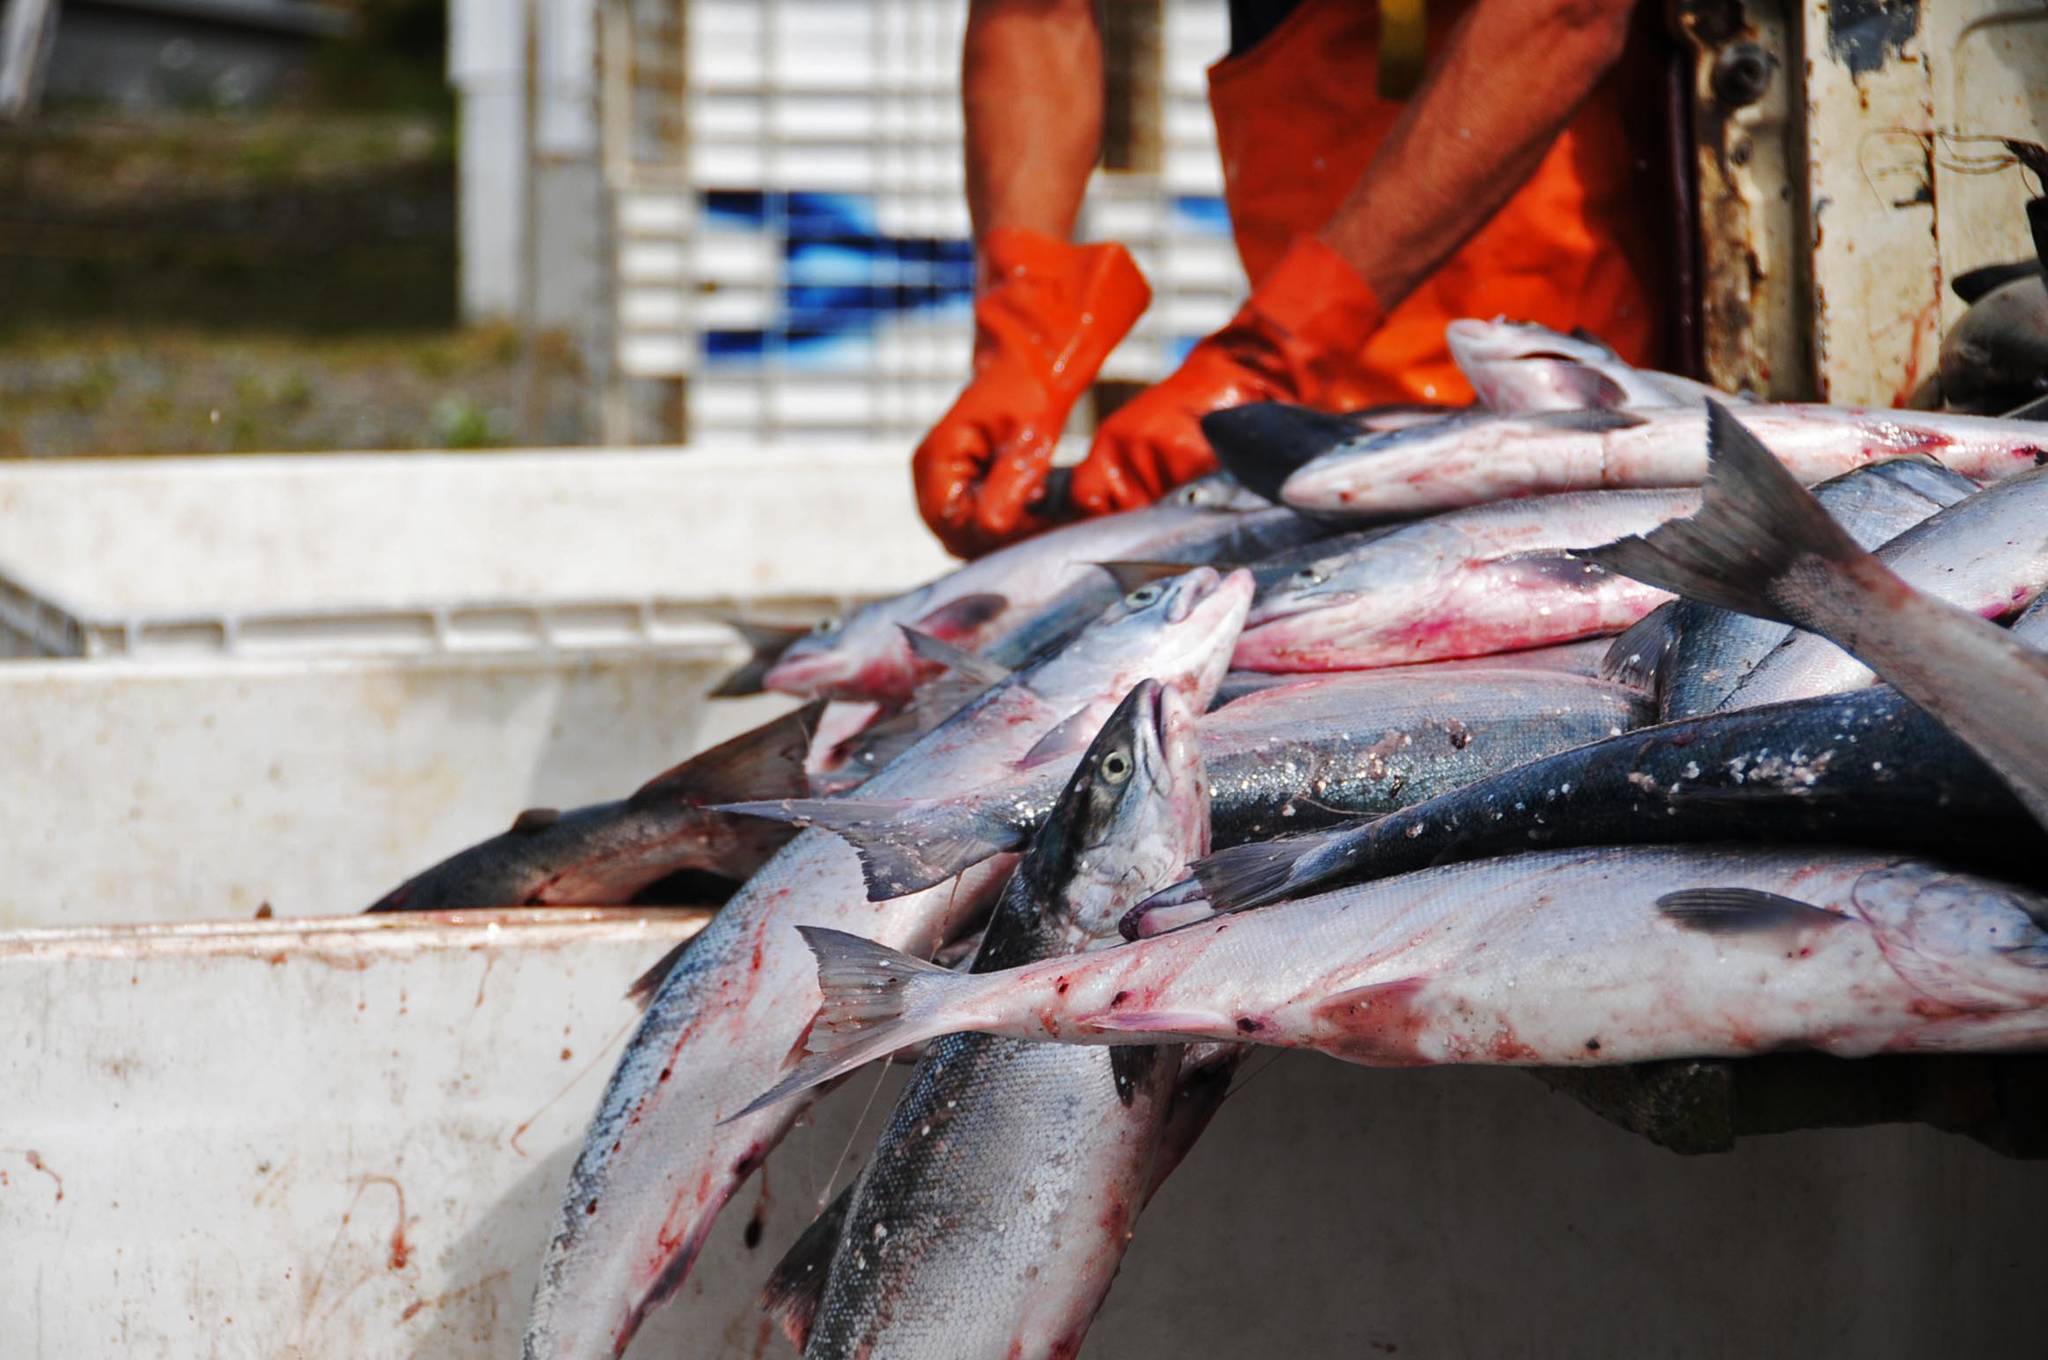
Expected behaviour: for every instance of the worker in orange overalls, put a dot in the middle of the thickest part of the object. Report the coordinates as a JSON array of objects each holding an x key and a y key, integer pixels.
[{"x": 1503, "y": 183}]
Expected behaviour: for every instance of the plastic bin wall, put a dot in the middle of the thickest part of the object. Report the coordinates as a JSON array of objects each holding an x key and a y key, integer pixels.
[{"x": 296, "y": 681}]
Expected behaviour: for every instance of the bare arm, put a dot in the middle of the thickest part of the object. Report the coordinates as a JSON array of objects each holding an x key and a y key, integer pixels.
[
  {"x": 1512, "y": 75},
  {"x": 1031, "y": 82}
]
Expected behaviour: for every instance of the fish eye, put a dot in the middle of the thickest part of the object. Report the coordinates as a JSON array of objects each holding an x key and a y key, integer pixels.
[
  {"x": 1311, "y": 576},
  {"x": 1145, "y": 595},
  {"x": 1116, "y": 767},
  {"x": 826, "y": 627}
]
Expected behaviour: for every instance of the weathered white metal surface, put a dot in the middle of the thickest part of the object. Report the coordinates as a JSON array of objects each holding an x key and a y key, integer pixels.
[
  {"x": 361, "y": 550},
  {"x": 1993, "y": 83},
  {"x": 1875, "y": 257},
  {"x": 1841, "y": 191},
  {"x": 347, "y": 1139},
  {"x": 180, "y": 792}
]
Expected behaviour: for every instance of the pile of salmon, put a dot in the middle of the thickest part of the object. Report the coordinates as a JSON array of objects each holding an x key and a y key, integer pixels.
[{"x": 1612, "y": 719}]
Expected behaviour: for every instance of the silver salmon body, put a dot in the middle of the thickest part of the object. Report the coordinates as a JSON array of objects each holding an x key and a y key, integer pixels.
[
  {"x": 1294, "y": 757},
  {"x": 1517, "y": 367},
  {"x": 1031, "y": 594},
  {"x": 998, "y": 1203},
  {"x": 1486, "y": 580},
  {"x": 1578, "y": 957},
  {"x": 1473, "y": 460},
  {"x": 664, "y": 1151}
]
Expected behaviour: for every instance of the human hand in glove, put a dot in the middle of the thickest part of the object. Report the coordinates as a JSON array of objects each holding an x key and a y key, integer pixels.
[
  {"x": 1048, "y": 315},
  {"x": 1298, "y": 333}
]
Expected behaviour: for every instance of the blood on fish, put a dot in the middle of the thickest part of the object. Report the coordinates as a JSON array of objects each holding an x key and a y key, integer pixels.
[{"x": 1380, "y": 1025}]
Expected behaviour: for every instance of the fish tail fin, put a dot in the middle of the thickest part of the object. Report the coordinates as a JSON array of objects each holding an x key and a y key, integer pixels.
[
  {"x": 1755, "y": 526},
  {"x": 767, "y": 642},
  {"x": 904, "y": 845},
  {"x": 764, "y": 762},
  {"x": 874, "y": 1001},
  {"x": 796, "y": 1287},
  {"x": 1263, "y": 443},
  {"x": 1257, "y": 872}
]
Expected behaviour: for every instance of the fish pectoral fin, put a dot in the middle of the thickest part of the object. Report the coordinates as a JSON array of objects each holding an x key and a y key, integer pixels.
[
  {"x": 1744, "y": 911},
  {"x": 767, "y": 762},
  {"x": 796, "y": 1287},
  {"x": 905, "y": 845},
  {"x": 1070, "y": 737},
  {"x": 1206, "y": 1024}
]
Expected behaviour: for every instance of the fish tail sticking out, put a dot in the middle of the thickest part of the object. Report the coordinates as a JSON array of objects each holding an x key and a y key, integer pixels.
[
  {"x": 874, "y": 1001},
  {"x": 796, "y": 1287},
  {"x": 1640, "y": 655},
  {"x": 766, "y": 761},
  {"x": 766, "y": 642},
  {"x": 1757, "y": 531},
  {"x": 1263, "y": 443},
  {"x": 1255, "y": 873},
  {"x": 905, "y": 845},
  {"x": 1762, "y": 545}
]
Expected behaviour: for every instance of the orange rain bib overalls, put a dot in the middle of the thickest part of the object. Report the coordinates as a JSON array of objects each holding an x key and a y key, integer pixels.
[{"x": 1298, "y": 120}]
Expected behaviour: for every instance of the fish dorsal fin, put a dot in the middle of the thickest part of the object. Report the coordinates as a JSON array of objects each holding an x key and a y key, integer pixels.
[
  {"x": 645, "y": 987},
  {"x": 1130, "y": 575},
  {"x": 1638, "y": 656},
  {"x": 1743, "y": 911},
  {"x": 533, "y": 821},
  {"x": 767, "y": 762},
  {"x": 959, "y": 618},
  {"x": 767, "y": 641},
  {"x": 796, "y": 1287}
]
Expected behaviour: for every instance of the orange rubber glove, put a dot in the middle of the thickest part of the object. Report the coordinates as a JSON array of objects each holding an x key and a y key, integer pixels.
[
  {"x": 1048, "y": 315},
  {"x": 1295, "y": 339}
]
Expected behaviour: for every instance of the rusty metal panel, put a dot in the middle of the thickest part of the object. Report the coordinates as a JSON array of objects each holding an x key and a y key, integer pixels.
[{"x": 1751, "y": 255}]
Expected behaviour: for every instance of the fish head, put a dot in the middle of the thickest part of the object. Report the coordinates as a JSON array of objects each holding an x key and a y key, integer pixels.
[
  {"x": 828, "y": 661},
  {"x": 1965, "y": 941},
  {"x": 1133, "y": 815},
  {"x": 1218, "y": 491},
  {"x": 1518, "y": 366},
  {"x": 1179, "y": 630},
  {"x": 1342, "y": 572}
]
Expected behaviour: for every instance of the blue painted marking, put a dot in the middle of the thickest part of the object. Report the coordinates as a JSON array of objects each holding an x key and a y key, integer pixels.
[{"x": 840, "y": 276}]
